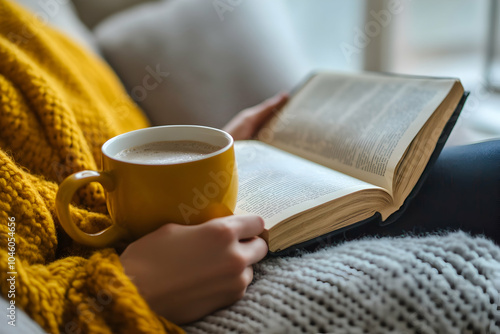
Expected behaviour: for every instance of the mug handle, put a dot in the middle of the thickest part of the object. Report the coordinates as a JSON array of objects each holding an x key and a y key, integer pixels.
[{"x": 64, "y": 196}]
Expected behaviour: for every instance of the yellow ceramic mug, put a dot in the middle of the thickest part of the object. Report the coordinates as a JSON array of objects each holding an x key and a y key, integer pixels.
[{"x": 142, "y": 197}]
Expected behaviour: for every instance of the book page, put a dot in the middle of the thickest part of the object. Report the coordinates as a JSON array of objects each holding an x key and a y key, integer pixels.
[
  {"x": 359, "y": 125},
  {"x": 277, "y": 185}
]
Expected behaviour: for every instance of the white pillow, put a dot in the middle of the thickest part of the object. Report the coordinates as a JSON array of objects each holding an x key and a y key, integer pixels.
[
  {"x": 93, "y": 11},
  {"x": 62, "y": 15},
  {"x": 218, "y": 62}
]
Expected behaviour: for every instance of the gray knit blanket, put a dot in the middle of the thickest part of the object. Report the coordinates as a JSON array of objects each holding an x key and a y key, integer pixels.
[{"x": 432, "y": 284}]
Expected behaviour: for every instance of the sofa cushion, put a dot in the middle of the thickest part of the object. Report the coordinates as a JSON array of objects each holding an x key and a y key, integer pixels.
[
  {"x": 191, "y": 62},
  {"x": 94, "y": 11},
  {"x": 61, "y": 15}
]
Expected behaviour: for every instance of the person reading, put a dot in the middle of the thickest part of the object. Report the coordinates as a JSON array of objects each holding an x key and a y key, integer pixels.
[{"x": 59, "y": 105}]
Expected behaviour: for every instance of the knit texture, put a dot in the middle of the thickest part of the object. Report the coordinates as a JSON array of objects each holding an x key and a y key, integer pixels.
[
  {"x": 434, "y": 284},
  {"x": 59, "y": 104}
]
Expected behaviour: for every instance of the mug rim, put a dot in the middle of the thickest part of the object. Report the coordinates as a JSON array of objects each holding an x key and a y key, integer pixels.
[{"x": 112, "y": 140}]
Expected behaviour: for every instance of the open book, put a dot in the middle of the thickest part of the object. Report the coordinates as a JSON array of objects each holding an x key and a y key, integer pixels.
[{"x": 344, "y": 148}]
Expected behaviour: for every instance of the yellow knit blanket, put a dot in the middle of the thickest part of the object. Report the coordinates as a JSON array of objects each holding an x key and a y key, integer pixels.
[{"x": 59, "y": 104}]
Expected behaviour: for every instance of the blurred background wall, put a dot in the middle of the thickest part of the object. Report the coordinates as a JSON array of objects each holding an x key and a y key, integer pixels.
[
  {"x": 426, "y": 37},
  {"x": 422, "y": 37}
]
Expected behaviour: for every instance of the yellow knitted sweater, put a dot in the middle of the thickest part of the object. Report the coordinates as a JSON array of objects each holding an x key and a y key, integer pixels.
[{"x": 58, "y": 105}]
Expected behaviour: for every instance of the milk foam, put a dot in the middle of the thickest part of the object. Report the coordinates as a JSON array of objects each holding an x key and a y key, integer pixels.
[{"x": 167, "y": 152}]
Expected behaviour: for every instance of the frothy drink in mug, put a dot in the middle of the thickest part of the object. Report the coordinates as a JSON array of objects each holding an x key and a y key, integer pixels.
[{"x": 167, "y": 152}]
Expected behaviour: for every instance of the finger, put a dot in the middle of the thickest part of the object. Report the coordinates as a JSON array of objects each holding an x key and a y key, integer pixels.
[
  {"x": 227, "y": 290},
  {"x": 254, "y": 249},
  {"x": 246, "y": 226},
  {"x": 275, "y": 100},
  {"x": 248, "y": 275},
  {"x": 269, "y": 106}
]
